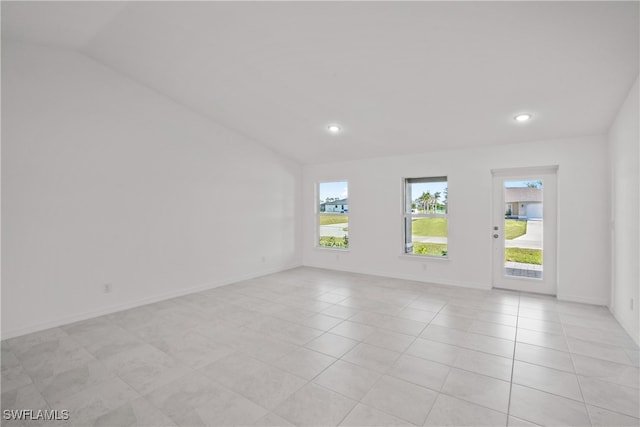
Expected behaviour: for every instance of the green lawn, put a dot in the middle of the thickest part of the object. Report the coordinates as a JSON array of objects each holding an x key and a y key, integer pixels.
[
  {"x": 514, "y": 228},
  {"x": 434, "y": 227},
  {"x": 527, "y": 256},
  {"x": 437, "y": 249},
  {"x": 333, "y": 219}
]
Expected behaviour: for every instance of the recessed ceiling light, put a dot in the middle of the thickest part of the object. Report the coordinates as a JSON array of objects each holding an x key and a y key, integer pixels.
[
  {"x": 523, "y": 117},
  {"x": 334, "y": 128}
]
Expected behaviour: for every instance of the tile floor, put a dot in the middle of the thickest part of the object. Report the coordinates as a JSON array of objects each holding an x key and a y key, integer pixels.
[{"x": 317, "y": 347}]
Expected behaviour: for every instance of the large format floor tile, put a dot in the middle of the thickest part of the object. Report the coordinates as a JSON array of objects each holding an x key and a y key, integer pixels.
[
  {"x": 97, "y": 400},
  {"x": 305, "y": 363},
  {"x": 603, "y": 394},
  {"x": 372, "y": 357},
  {"x": 543, "y": 356},
  {"x": 401, "y": 399},
  {"x": 433, "y": 350},
  {"x": 227, "y": 408},
  {"x": 332, "y": 345},
  {"x": 617, "y": 373},
  {"x": 348, "y": 379},
  {"x": 544, "y": 408},
  {"x": 485, "y": 364},
  {"x": 390, "y": 340},
  {"x": 542, "y": 339},
  {"x": 420, "y": 371},
  {"x": 546, "y": 379},
  {"x": 145, "y": 367},
  {"x": 363, "y": 415},
  {"x": 449, "y": 411},
  {"x": 138, "y": 412},
  {"x": 268, "y": 387},
  {"x": 315, "y": 405},
  {"x": 479, "y": 389},
  {"x": 318, "y": 347},
  {"x": 601, "y": 417},
  {"x": 26, "y": 397}
]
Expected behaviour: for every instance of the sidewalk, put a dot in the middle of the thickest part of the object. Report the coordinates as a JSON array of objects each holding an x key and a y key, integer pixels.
[
  {"x": 334, "y": 230},
  {"x": 519, "y": 269},
  {"x": 531, "y": 240}
]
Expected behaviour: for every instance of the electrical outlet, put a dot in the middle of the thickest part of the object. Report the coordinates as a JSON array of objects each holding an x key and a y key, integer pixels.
[{"x": 106, "y": 288}]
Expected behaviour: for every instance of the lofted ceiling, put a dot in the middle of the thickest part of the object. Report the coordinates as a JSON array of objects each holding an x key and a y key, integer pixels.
[{"x": 399, "y": 77}]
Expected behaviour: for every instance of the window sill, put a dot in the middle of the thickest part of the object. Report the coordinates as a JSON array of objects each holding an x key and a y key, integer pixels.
[
  {"x": 329, "y": 248},
  {"x": 424, "y": 257}
]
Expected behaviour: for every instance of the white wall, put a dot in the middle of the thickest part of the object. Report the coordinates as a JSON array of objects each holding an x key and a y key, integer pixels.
[
  {"x": 106, "y": 181},
  {"x": 624, "y": 138},
  {"x": 375, "y": 206}
]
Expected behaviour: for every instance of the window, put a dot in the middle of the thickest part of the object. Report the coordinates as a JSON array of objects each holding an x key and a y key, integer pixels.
[
  {"x": 333, "y": 215},
  {"x": 425, "y": 216}
]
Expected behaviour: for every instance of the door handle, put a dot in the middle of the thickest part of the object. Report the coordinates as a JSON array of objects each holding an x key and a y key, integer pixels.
[{"x": 495, "y": 236}]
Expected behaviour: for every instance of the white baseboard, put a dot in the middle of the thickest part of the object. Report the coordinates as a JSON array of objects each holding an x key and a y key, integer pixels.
[
  {"x": 457, "y": 283},
  {"x": 198, "y": 288},
  {"x": 12, "y": 333},
  {"x": 434, "y": 281},
  {"x": 583, "y": 300}
]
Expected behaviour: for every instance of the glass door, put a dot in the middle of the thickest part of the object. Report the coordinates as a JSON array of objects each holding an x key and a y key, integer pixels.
[{"x": 524, "y": 229}]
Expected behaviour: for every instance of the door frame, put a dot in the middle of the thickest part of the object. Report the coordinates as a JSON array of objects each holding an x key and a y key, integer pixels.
[{"x": 548, "y": 283}]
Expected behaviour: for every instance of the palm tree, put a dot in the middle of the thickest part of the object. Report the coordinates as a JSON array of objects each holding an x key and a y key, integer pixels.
[
  {"x": 446, "y": 196},
  {"x": 425, "y": 200},
  {"x": 436, "y": 196}
]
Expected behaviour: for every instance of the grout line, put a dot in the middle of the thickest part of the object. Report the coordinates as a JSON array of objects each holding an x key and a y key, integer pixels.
[
  {"x": 402, "y": 353},
  {"x": 450, "y": 368},
  {"x": 564, "y": 334},
  {"x": 513, "y": 361},
  {"x": 246, "y": 293}
]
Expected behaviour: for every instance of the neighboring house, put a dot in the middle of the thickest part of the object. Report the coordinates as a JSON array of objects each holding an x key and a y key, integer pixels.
[
  {"x": 523, "y": 202},
  {"x": 341, "y": 206}
]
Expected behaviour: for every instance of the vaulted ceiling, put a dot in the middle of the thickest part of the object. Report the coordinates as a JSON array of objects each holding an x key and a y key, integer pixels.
[{"x": 399, "y": 77}]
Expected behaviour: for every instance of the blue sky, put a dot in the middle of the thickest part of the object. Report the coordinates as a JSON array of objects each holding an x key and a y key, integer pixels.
[
  {"x": 428, "y": 187},
  {"x": 512, "y": 184},
  {"x": 333, "y": 189}
]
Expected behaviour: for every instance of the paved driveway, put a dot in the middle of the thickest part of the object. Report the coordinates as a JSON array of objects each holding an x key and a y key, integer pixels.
[
  {"x": 428, "y": 239},
  {"x": 531, "y": 240},
  {"x": 334, "y": 230}
]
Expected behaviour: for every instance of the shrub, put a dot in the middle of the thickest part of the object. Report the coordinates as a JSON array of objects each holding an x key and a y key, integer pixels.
[{"x": 332, "y": 242}]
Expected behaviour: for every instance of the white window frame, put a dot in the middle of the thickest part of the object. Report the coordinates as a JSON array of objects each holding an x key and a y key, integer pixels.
[
  {"x": 320, "y": 214},
  {"x": 408, "y": 215}
]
